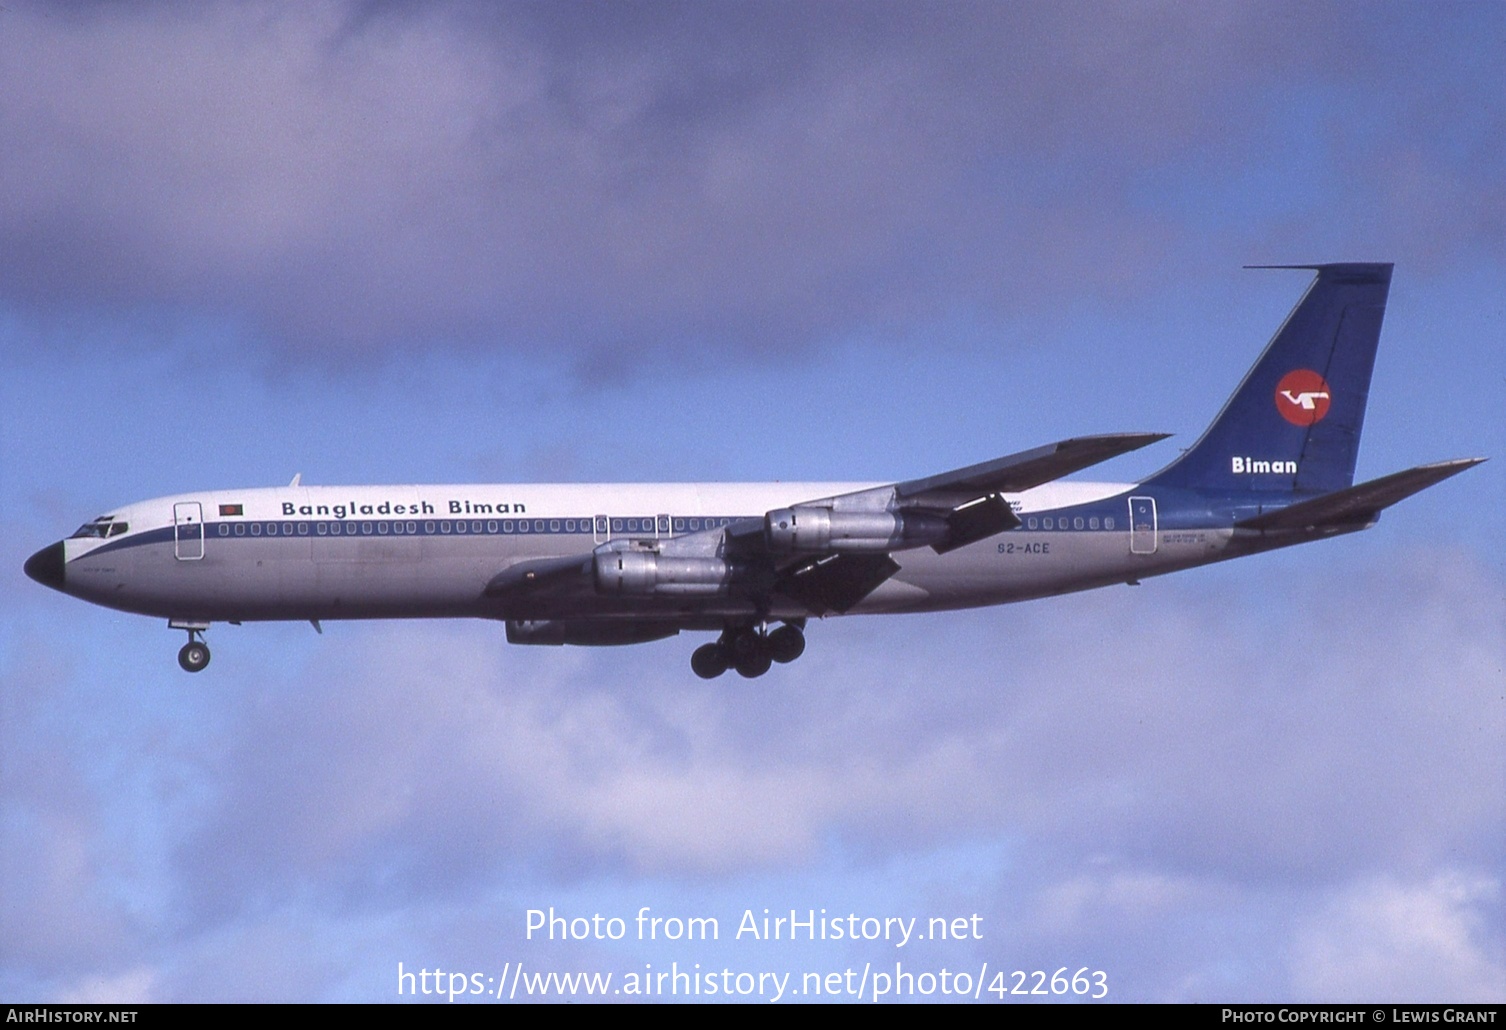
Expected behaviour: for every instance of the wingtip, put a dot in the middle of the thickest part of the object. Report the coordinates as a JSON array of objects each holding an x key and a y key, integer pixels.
[{"x": 1457, "y": 464}]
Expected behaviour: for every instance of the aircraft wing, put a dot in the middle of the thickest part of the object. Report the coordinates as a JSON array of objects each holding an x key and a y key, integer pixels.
[
  {"x": 828, "y": 554},
  {"x": 945, "y": 512},
  {"x": 1356, "y": 506}
]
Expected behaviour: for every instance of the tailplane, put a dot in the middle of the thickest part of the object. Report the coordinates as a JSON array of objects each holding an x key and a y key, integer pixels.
[{"x": 1293, "y": 426}]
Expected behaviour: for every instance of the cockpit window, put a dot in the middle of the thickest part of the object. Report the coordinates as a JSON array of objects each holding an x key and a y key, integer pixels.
[{"x": 101, "y": 528}]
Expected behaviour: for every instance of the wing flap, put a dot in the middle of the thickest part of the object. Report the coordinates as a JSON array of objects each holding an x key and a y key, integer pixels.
[
  {"x": 836, "y": 583},
  {"x": 976, "y": 521}
]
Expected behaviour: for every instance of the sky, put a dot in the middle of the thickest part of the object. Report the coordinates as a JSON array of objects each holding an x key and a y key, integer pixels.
[{"x": 452, "y": 242}]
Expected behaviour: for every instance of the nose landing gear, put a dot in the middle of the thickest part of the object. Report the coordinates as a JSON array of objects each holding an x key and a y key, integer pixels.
[
  {"x": 748, "y": 649},
  {"x": 194, "y": 655}
]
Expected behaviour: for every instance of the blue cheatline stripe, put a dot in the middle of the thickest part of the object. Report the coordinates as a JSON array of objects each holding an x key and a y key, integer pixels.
[
  {"x": 339, "y": 529},
  {"x": 1100, "y": 516}
]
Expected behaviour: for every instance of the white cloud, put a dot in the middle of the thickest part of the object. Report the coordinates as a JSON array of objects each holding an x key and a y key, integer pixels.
[{"x": 1432, "y": 939}]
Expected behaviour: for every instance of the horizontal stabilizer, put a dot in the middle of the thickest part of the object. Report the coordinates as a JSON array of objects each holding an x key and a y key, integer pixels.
[
  {"x": 1019, "y": 472},
  {"x": 1358, "y": 505}
]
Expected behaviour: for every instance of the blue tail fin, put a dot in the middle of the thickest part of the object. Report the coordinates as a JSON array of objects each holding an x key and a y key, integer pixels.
[{"x": 1293, "y": 426}]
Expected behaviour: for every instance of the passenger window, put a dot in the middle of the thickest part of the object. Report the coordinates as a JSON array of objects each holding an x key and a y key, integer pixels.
[
  {"x": 1077, "y": 522},
  {"x": 428, "y": 527},
  {"x": 1108, "y": 522},
  {"x": 491, "y": 527},
  {"x": 554, "y": 525},
  {"x": 240, "y": 529},
  {"x": 413, "y": 527},
  {"x": 538, "y": 525},
  {"x": 1093, "y": 522},
  {"x": 617, "y": 525},
  {"x": 224, "y": 530},
  {"x": 303, "y": 529},
  {"x": 321, "y": 529},
  {"x": 256, "y": 529},
  {"x": 460, "y": 527},
  {"x": 507, "y": 526},
  {"x": 1032, "y": 522},
  {"x": 382, "y": 528}
]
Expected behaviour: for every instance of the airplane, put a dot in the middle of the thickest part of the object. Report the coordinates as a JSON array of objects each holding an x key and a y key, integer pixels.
[{"x": 615, "y": 564}]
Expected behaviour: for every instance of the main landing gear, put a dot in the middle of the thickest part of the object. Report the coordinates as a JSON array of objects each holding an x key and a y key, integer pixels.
[
  {"x": 751, "y": 650},
  {"x": 195, "y": 654}
]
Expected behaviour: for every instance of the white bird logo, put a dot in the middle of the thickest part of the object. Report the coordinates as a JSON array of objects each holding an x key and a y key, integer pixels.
[{"x": 1307, "y": 400}]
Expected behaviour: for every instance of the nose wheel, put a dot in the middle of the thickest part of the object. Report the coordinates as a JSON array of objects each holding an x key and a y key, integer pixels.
[{"x": 194, "y": 655}]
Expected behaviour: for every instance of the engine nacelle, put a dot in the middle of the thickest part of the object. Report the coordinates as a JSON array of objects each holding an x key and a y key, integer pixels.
[
  {"x": 584, "y": 633},
  {"x": 644, "y": 572},
  {"x": 808, "y": 530}
]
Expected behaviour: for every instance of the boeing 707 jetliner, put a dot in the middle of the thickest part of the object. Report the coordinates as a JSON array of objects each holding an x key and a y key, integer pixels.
[{"x": 607, "y": 564}]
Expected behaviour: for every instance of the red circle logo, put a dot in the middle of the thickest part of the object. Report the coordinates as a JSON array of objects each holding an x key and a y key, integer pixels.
[{"x": 1302, "y": 397}]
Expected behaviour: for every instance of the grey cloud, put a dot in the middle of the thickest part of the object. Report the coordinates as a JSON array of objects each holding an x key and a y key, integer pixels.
[{"x": 344, "y": 176}]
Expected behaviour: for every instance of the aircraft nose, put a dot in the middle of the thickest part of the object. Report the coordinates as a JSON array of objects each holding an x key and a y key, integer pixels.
[{"x": 46, "y": 566}]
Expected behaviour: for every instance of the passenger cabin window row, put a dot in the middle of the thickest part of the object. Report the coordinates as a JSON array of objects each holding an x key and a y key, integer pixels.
[
  {"x": 468, "y": 527},
  {"x": 619, "y": 527},
  {"x": 1064, "y": 522}
]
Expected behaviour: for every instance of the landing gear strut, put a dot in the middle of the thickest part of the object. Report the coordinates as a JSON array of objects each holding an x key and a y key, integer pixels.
[
  {"x": 194, "y": 654},
  {"x": 751, "y": 650}
]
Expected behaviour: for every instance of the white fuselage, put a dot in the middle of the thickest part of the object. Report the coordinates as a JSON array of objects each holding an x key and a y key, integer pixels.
[{"x": 325, "y": 552}]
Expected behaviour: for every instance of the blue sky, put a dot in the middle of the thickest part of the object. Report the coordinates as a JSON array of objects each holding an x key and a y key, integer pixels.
[{"x": 455, "y": 242}]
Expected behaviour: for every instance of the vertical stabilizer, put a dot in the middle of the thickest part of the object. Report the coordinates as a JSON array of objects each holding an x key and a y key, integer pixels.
[{"x": 1293, "y": 426}]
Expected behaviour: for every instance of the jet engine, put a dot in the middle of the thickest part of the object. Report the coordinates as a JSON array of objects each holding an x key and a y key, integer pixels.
[
  {"x": 807, "y": 530},
  {"x": 644, "y": 572}
]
